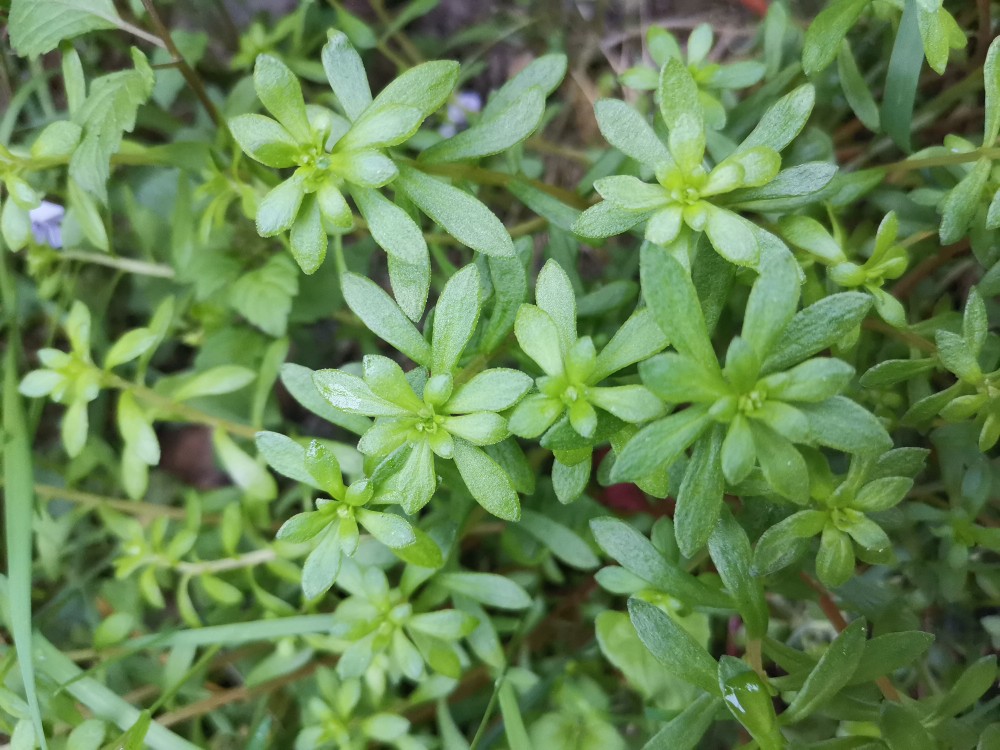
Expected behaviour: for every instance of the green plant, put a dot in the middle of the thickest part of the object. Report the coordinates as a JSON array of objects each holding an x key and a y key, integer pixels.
[{"x": 758, "y": 378}]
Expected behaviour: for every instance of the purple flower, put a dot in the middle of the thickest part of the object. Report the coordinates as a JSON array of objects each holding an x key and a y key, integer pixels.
[{"x": 46, "y": 223}]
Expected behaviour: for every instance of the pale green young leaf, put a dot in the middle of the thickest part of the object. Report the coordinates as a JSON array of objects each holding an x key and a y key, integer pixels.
[
  {"x": 495, "y": 389},
  {"x": 513, "y": 722},
  {"x": 630, "y": 133},
  {"x": 136, "y": 429},
  {"x": 673, "y": 646},
  {"x": 278, "y": 209},
  {"x": 607, "y": 219},
  {"x": 130, "y": 345},
  {"x": 392, "y": 530},
  {"x": 783, "y": 120},
  {"x": 678, "y": 96},
  {"x": 783, "y": 466},
  {"x": 346, "y": 74},
  {"x": 383, "y": 317},
  {"x": 426, "y": 86},
  {"x": 308, "y": 240},
  {"x": 285, "y": 456},
  {"x": 539, "y": 338},
  {"x": 835, "y": 560},
  {"x": 564, "y": 543},
  {"x": 213, "y": 382},
  {"x": 321, "y": 567},
  {"x": 991, "y": 80},
  {"x": 298, "y": 380},
  {"x": 459, "y": 213},
  {"x": 378, "y": 128},
  {"x": 249, "y": 475},
  {"x": 554, "y": 294},
  {"x": 351, "y": 394},
  {"x": 480, "y": 428},
  {"x": 545, "y": 73},
  {"x": 279, "y": 91},
  {"x": 732, "y": 236}
]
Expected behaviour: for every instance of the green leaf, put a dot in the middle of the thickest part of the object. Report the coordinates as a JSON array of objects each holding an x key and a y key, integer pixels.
[
  {"x": 351, "y": 394},
  {"x": 539, "y": 338},
  {"x": 322, "y": 566},
  {"x": 455, "y": 317},
  {"x": 748, "y": 700},
  {"x": 818, "y": 327},
  {"x": 487, "y": 482},
  {"x": 882, "y": 494},
  {"x": 480, "y": 428},
  {"x": 658, "y": 445},
  {"x": 383, "y": 317},
  {"x": 814, "y": 380},
  {"x": 510, "y": 286},
  {"x": 979, "y": 677},
  {"x": 783, "y": 120},
  {"x": 634, "y": 552},
  {"x": 569, "y": 482},
  {"x": 991, "y": 81},
  {"x": 606, "y": 219},
  {"x": 492, "y": 134},
  {"x": 827, "y": 30},
  {"x": 960, "y": 206},
  {"x": 699, "y": 499},
  {"x": 495, "y": 389},
  {"x": 130, "y": 345},
  {"x": 545, "y": 73},
  {"x": 277, "y": 210},
  {"x": 109, "y": 110},
  {"x": 299, "y": 382},
  {"x": 37, "y": 26},
  {"x": 426, "y": 87},
  {"x": 630, "y": 133},
  {"x": 671, "y": 296},
  {"x": 886, "y": 653},
  {"x": 835, "y": 561},
  {"x": 892, "y": 371},
  {"x": 249, "y": 475},
  {"x": 772, "y": 304},
  {"x": 264, "y": 296},
  {"x": 215, "y": 381},
  {"x": 513, "y": 723},
  {"x": 554, "y": 294},
  {"x": 678, "y": 97},
  {"x": 285, "y": 456},
  {"x": 638, "y": 339},
  {"x": 136, "y": 429},
  {"x": 831, "y": 673},
  {"x": 901, "y": 728},
  {"x": 783, "y": 466},
  {"x": 461, "y": 215},
  {"x": 488, "y": 588},
  {"x": 382, "y": 127},
  {"x": 346, "y": 74},
  {"x": 843, "y": 424},
  {"x": 902, "y": 78},
  {"x": 975, "y": 322},
  {"x": 563, "y": 542},
  {"x": 732, "y": 236},
  {"x": 279, "y": 91},
  {"x": 685, "y": 731},
  {"x": 390, "y": 529},
  {"x": 673, "y": 646},
  {"x": 730, "y": 550},
  {"x": 855, "y": 88},
  {"x": 780, "y": 545}
]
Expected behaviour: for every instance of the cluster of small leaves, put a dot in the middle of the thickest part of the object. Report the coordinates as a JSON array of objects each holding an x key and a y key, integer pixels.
[{"x": 772, "y": 413}]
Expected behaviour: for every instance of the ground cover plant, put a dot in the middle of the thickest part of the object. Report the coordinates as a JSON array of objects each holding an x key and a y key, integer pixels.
[{"x": 578, "y": 377}]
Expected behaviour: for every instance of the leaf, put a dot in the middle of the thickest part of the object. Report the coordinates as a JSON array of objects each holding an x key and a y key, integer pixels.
[
  {"x": 671, "y": 296},
  {"x": 461, "y": 215},
  {"x": 492, "y": 134},
  {"x": 772, "y": 303},
  {"x": 673, "y": 646},
  {"x": 299, "y": 382},
  {"x": 495, "y": 389},
  {"x": 902, "y": 78},
  {"x": 215, "y": 381},
  {"x": 249, "y": 475},
  {"x": 685, "y": 731},
  {"x": 37, "y": 26},
  {"x": 634, "y": 552},
  {"x": 731, "y": 554},
  {"x": 991, "y": 81},
  {"x": 286, "y": 457},
  {"x": 539, "y": 338},
  {"x": 130, "y": 345},
  {"x": 510, "y": 286},
  {"x": 488, "y": 588},
  {"x": 545, "y": 73},
  {"x": 855, "y": 88},
  {"x": 487, "y": 482},
  {"x": 513, "y": 723},
  {"x": 827, "y": 30},
  {"x": 426, "y": 87},
  {"x": 831, "y": 673},
  {"x": 843, "y": 424},
  {"x": 783, "y": 467},
  {"x": 383, "y": 317},
  {"x": 959, "y": 207},
  {"x": 109, "y": 110},
  {"x": 264, "y": 296},
  {"x": 455, "y": 317},
  {"x": 279, "y": 91},
  {"x": 886, "y": 653},
  {"x": 351, "y": 394},
  {"x": 322, "y": 566},
  {"x": 563, "y": 542},
  {"x": 630, "y": 133},
  {"x": 783, "y": 120},
  {"x": 818, "y": 327},
  {"x": 392, "y": 530},
  {"x": 977, "y": 678},
  {"x": 346, "y": 74},
  {"x": 658, "y": 445},
  {"x": 699, "y": 499},
  {"x": 638, "y": 339},
  {"x": 678, "y": 97}
]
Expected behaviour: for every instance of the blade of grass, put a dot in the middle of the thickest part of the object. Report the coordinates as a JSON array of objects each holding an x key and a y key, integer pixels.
[
  {"x": 902, "y": 78},
  {"x": 19, "y": 498},
  {"x": 513, "y": 722}
]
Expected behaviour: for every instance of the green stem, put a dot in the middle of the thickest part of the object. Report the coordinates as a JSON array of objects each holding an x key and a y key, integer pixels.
[
  {"x": 132, "y": 507},
  {"x": 248, "y": 560},
  {"x": 171, "y": 407},
  {"x": 128, "y": 265}
]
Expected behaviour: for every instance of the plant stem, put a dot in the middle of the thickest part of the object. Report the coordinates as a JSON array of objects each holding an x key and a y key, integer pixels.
[
  {"x": 182, "y": 410},
  {"x": 91, "y": 500},
  {"x": 907, "y": 165},
  {"x": 248, "y": 560},
  {"x": 129, "y": 265},
  {"x": 192, "y": 78}
]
